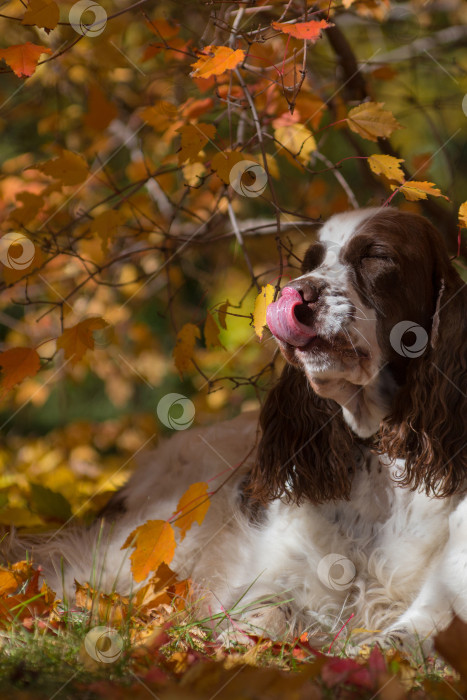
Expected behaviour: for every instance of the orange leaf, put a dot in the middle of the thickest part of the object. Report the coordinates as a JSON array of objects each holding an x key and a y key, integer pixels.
[
  {"x": 76, "y": 340},
  {"x": 222, "y": 314},
  {"x": 154, "y": 543},
  {"x": 106, "y": 224},
  {"x": 193, "y": 506},
  {"x": 17, "y": 364},
  {"x": 413, "y": 190},
  {"x": 215, "y": 60},
  {"x": 70, "y": 168},
  {"x": 100, "y": 110},
  {"x": 194, "y": 138},
  {"x": 42, "y": 13},
  {"x": 184, "y": 348},
  {"x": 303, "y": 30},
  {"x": 211, "y": 332},
  {"x": 23, "y": 58},
  {"x": 371, "y": 121}
]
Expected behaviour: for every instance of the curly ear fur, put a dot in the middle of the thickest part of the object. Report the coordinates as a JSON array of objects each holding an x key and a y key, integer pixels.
[
  {"x": 306, "y": 451},
  {"x": 427, "y": 427}
]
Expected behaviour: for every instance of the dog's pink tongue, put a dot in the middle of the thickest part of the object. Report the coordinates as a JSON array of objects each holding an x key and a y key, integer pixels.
[{"x": 282, "y": 322}]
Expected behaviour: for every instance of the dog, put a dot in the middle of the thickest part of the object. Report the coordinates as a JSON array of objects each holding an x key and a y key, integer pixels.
[{"x": 347, "y": 498}]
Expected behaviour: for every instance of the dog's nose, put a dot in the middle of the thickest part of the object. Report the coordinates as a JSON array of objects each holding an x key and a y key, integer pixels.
[{"x": 308, "y": 291}]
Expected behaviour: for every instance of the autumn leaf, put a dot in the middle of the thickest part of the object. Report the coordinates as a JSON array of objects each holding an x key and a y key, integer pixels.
[
  {"x": 264, "y": 298},
  {"x": 194, "y": 138},
  {"x": 101, "y": 111},
  {"x": 106, "y": 224},
  {"x": 42, "y": 13},
  {"x": 162, "y": 28},
  {"x": 222, "y": 314},
  {"x": 297, "y": 139},
  {"x": 76, "y": 340},
  {"x": 193, "y": 506},
  {"x": 70, "y": 168},
  {"x": 31, "y": 204},
  {"x": 211, "y": 332},
  {"x": 215, "y": 60},
  {"x": 17, "y": 364},
  {"x": 154, "y": 543},
  {"x": 223, "y": 162},
  {"x": 23, "y": 58},
  {"x": 50, "y": 504},
  {"x": 387, "y": 166},
  {"x": 463, "y": 215},
  {"x": 413, "y": 190},
  {"x": 371, "y": 121},
  {"x": 185, "y": 345},
  {"x": 303, "y": 30}
]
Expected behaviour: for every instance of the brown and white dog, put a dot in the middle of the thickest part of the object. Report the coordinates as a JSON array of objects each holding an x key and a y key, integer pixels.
[{"x": 353, "y": 498}]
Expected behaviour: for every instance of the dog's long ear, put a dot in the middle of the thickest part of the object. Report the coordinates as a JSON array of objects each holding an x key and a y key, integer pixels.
[
  {"x": 427, "y": 427},
  {"x": 306, "y": 449}
]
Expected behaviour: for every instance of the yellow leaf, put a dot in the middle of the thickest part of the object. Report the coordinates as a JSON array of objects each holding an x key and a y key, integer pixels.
[
  {"x": 297, "y": 139},
  {"x": 211, "y": 333},
  {"x": 70, "y": 168},
  {"x": 185, "y": 345},
  {"x": 8, "y": 582},
  {"x": 264, "y": 298},
  {"x": 215, "y": 60},
  {"x": 192, "y": 174},
  {"x": 76, "y": 340},
  {"x": 413, "y": 190},
  {"x": 221, "y": 314},
  {"x": 17, "y": 364},
  {"x": 222, "y": 163},
  {"x": 106, "y": 224},
  {"x": 192, "y": 507},
  {"x": 194, "y": 138},
  {"x": 154, "y": 543},
  {"x": 42, "y": 13},
  {"x": 371, "y": 121},
  {"x": 387, "y": 166},
  {"x": 463, "y": 215}
]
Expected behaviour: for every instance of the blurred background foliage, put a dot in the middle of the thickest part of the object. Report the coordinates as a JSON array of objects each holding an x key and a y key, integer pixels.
[{"x": 118, "y": 99}]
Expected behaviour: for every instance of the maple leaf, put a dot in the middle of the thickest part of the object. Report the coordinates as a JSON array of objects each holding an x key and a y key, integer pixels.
[
  {"x": 462, "y": 216},
  {"x": 311, "y": 31},
  {"x": 387, "y": 166},
  {"x": 211, "y": 332},
  {"x": 17, "y": 364},
  {"x": 221, "y": 314},
  {"x": 76, "y": 340},
  {"x": 215, "y": 60},
  {"x": 154, "y": 543},
  {"x": 223, "y": 162},
  {"x": 371, "y": 121},
  {"x": 262, "y": 301},
  {"x": 106, "y": 224},
  {"x": 42, "y": 13},
  {"x": 23, "y": 58},
  {"x": 185, "y": 345},
  {"x": 100, "y": 110},
  {"x": 413, "y": 190},
  {"x": 193, "y": 506},
  {"x": 297, "y": 139},
  {"x": 70, "y": 168},
  {"x": 194, "y": 138}
]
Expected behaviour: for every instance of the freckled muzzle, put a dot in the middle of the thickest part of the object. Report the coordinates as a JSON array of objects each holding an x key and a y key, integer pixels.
[{"x": 283, "y": 322}]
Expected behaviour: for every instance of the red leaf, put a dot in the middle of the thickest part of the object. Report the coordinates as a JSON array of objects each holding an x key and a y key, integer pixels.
[{"x": 23, "y": 58}]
